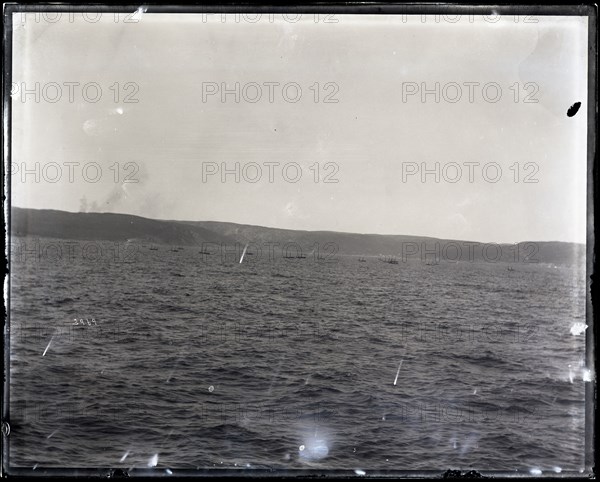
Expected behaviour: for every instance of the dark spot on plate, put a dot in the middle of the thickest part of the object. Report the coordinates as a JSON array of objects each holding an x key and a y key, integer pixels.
[{"x": 573, "y": 109}]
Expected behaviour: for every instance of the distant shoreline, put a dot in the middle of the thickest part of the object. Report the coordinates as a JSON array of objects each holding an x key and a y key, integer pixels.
[
  {"x": 125, "y": 228},
  {"x": 433, "y": 238}
]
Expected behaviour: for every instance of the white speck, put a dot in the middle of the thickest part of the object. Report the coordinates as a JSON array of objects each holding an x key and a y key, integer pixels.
[
  {"x": 360, "y": 472},
  {"x": 578, "y": 328},
  {"x": 168, "y": 471},
  {"x": 35, "y": 466},
  {"x": 383, "y": 418},
  {"x": 90, "y": 127},
  {"x": 248, "y": 465},
  {"x": 558, "y": 470},
  {"x": 153, "y": 462},
  {"x": 535, "y": 472},
  {"x": 49, "y": 343},
  {"x": 398, "y": 372},
  {"x": 314, "y": 449},
  {"x": 137, "y": 16},
  {"x": 290, "y": 209},
  {"x": 119, "y": 110},
  {"x": 211, "y": 389},
  {"x": 124, "y": 456},
  {"x": 587, "y": 375},
  {"x": 475, "y": 392}
]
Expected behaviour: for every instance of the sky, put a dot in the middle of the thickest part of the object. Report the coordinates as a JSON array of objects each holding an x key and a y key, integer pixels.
[{"x": 157, "y": 122}]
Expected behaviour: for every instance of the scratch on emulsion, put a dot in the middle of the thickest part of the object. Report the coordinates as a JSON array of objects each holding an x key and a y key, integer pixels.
[
  {"x": 398, "y": 372},
  {"x": 49, "y": 343},
  {"x": 243, "y": 254}
]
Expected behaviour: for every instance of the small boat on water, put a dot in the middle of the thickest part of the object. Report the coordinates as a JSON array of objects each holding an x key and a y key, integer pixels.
[{"x": 362, "y": 260}]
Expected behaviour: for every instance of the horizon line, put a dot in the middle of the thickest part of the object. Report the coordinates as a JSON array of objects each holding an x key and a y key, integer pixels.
[{"x": 296, "y": 230}]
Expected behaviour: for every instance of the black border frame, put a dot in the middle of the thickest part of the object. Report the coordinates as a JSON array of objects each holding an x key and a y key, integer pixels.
[{"x": 590, "y": 10}]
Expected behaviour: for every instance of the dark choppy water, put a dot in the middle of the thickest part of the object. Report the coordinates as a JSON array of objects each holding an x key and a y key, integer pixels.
[{"x": 290, "y": 363}]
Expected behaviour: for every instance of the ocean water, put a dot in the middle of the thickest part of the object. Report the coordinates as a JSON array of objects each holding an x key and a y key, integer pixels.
[{"x": 174, "y": 359}]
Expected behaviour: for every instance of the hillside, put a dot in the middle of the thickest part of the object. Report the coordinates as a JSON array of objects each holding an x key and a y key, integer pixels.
[{"x": 124, "y": 227}]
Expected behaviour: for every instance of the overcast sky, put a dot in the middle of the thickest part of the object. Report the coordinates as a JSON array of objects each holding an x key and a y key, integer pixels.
[{"x": 369, "y": 135}]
